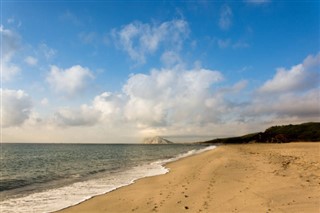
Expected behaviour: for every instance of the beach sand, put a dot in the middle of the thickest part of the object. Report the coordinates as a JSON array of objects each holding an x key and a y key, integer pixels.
[{"x": 230, "y": 178}]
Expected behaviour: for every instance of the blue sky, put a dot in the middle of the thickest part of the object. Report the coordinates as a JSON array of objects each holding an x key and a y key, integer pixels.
[{"x": 187, "y": 70}]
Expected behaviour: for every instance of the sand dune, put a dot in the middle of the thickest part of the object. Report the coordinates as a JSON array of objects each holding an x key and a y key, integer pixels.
[{"x": 233, "y": 178}]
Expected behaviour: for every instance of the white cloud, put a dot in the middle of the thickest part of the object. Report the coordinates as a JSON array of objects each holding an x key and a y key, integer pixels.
[
  {"x": 85, "y": 116},
  {"x": 10, "y": 44},
  {"x": 157, "y": 100},
  {"x": 16, "y": 107},
  {"x": 105, "y": 109},
  {"x": 169, "y": 96},
  {"x": 32, "y": 61},
  {"x": 9, "y": 71},
  {"x": 303, "y": 107},
  {"x": 225, "y": 20},
  {"x": 291, "y": 95},
  {"x": 70, "y": 81},
  {"x": 299, "y": 78},
  {"x": 109, "y": 104},
  {"x": 307, "y": 105},
  {"x": 139, "y": 39},
  {"x": 175, "y": 101}
]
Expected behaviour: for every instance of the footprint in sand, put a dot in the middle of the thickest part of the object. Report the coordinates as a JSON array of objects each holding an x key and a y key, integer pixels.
[
  {"x": 155, "y": 208},
  {"x": 136, "y": 208}
]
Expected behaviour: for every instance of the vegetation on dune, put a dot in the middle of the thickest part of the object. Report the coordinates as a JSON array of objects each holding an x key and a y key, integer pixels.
[{"x": 277, "y": 134}]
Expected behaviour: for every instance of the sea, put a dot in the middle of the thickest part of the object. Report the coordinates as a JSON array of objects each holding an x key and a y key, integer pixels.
[{"x": 49, "y": 177}]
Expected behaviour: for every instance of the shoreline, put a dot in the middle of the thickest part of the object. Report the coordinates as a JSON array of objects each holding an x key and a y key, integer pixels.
[
  {"x": 229, "y": 178},
  {"x": 163, "y": 164},
  {"x": 65, "y": 195}
]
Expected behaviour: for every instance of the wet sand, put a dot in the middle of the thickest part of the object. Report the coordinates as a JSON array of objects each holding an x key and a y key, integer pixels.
[{"x": 230, "y": 178}]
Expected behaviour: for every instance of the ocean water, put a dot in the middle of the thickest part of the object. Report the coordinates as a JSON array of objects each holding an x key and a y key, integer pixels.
[{"x": 49, "y": 177}]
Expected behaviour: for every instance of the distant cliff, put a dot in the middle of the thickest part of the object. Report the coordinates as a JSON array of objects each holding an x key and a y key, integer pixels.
[
  {"x": 156, "y": 140},
  {"x": 277, "y": 134}
]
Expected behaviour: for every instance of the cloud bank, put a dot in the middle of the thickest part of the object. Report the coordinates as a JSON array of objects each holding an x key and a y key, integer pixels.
[{"x": 175, "y": 99}]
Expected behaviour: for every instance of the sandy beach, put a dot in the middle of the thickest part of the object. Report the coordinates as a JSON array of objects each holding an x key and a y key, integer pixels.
[{"x": 230, "y": 178}]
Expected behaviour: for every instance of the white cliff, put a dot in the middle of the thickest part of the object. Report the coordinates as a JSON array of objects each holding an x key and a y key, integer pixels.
[{"x": 156, "y": 140}]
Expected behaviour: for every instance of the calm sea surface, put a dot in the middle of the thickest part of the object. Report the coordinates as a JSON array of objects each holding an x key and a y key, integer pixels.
[{"x": 49, "y": 177}]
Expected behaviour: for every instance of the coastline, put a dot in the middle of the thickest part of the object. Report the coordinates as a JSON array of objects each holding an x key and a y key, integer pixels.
[{"x": 229, "y": 178}]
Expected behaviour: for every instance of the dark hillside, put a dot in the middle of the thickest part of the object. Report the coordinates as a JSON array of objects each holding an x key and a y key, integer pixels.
[
  {"x": 288, "y": 133},
  {"x": 277, "y": 134}
]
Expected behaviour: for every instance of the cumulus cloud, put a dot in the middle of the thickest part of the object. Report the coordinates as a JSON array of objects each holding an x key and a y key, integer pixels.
[
  {"x": 16, "y": 107},
  {"x": 70, "y": 81},
  {"x": 225, "y": 20},
  {"x": 291, "y": 94},
  {"x": 299, "y": 78},
  {"x": 155, "y": 100},
  {"x": 110, "y": 105},
  {"x": 106, "y": 109},
  {"x": 140, "y": 39},
  {"x": 167, "y": 96}
]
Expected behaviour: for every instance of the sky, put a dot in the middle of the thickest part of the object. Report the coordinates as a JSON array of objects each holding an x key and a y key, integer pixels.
[{"x": 119, "y": 71}]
